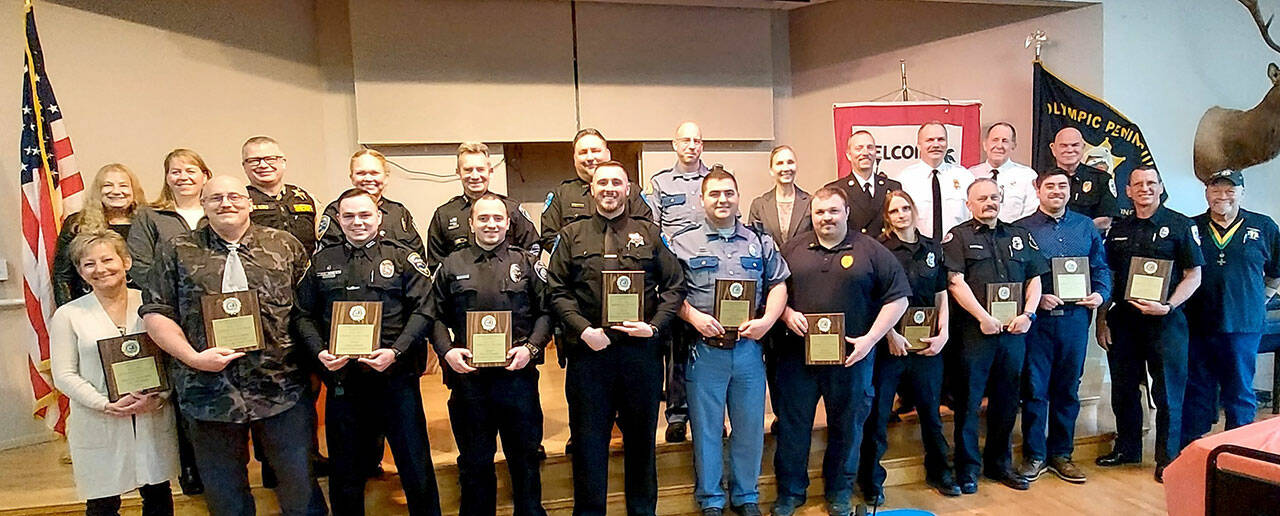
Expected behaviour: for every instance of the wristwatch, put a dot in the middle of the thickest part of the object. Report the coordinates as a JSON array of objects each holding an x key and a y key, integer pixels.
[{"x": 1031, "y": 316}]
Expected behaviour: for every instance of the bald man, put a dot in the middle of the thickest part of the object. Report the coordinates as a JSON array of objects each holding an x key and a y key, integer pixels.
[{"x": 1093, "y": 192}]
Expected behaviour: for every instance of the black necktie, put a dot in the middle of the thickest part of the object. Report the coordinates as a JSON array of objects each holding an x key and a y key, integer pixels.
[
  {"x": 866, "y": 188},
  {"x": 995, "y": 174},
  {"x": 937, "y": 206}
]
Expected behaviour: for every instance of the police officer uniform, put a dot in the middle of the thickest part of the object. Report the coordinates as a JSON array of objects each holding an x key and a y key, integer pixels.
[
  {"x": 918, "y": 374},
  {"x": 493, "y": 401},
  {"x": 364, "y": 404},
  {"x": 1059, "y": 339},
  {"x": 397, "y": 224},
  {"x": 983, "y": 254},
  {"x": 622, "y": 382},
  {"x": 857, "y": 278},
  {"x": 731, "y": 376},
  {"x": 1145, "y": 344},
  {"x": 1093, "y": 193},
  {"x": 292, "y": 210},
  {"x": 866, "y": 200},
  {"x": 450, "y": 230},
  {"x": 676, "y": 202},
  {"x": 1227, "y": 318},
  {"x": 262, "y": 390},
  {"x": 572, "y": 201}
]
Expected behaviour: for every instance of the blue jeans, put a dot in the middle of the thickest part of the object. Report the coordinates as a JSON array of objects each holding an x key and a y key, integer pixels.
[
  {"x": 1056, "y": 347},
  {"x": 847, "y": 395},
  {"x": 1221, "y": 367},
  {"x": 717, "y": 378}
]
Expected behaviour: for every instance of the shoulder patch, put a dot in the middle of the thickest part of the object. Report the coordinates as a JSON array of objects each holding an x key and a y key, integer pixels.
[
  {"x": 1195, "y": 233},
  {"x": 522, "y": 211},
  {"x": 419, "y": 264},
  {"x": 547, "y": 204},
  {"x": 323, "y": 227},
  {"x": 1031, "y": 240},
  {"x": 1111, "y": 183},
  {"x": 540, "y": 270}
]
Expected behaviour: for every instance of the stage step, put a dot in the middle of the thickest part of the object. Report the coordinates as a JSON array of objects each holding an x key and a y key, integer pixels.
[{"x": 675, "y": 479}]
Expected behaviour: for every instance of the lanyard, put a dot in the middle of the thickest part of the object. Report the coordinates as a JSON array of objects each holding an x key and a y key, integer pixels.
[{"x": 1220, "y": 239}]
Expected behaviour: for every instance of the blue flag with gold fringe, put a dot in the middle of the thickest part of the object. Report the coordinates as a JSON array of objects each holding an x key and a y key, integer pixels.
[{"x": 1112, "y": 142}]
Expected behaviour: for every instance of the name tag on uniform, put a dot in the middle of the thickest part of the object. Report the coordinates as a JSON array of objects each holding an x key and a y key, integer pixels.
[
  {"x": 303, "y": 208},
  {"x": 577, "y": 205},
  {"x": 975, "y": 246},
  {"x": 328, "y": 274}
]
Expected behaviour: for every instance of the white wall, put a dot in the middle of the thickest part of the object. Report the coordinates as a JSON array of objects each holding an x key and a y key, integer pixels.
[{"x": 1166, "y": 62}]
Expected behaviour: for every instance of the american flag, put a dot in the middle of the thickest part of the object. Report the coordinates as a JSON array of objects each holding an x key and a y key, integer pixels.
[{"x": 51, "y": 188}]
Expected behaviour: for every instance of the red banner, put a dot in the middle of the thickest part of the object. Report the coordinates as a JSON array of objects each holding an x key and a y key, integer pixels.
[{"x": 894, "y": 125}]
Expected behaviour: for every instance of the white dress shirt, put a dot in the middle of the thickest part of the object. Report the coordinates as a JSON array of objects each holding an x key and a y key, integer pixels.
[
  {"x": 917, "y": 181},
  {"x": 1017, "y": 188}
]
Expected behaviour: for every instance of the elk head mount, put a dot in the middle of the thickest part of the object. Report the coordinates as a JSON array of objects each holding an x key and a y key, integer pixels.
[{"x": 1231, "y": 139}]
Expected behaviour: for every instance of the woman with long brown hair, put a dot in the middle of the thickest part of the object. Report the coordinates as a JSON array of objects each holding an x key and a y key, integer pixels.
[
  {"x": 110, "y": 204},
  {"x": 916, "y": 367}
]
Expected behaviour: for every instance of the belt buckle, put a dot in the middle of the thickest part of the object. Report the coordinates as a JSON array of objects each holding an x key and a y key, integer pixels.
[{"x": 1057, "y": 312}]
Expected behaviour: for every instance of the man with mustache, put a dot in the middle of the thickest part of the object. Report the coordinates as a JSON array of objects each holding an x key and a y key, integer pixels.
[
  {"x": 1148, "y": 337},
  {"x": 979, "y": 252},
  {"x": 276, "y": 204},
  {"x": 223, "y": 393},
  {"x": 450, "y": 227},
  {"x": 1059, "y": 338},
  {"x": 614, "y": 371},
  {"x": 571, "y": 200},
  {"x": 369, "y": 172},
  {"x": 725, "y": 367},
  {"x": 937, "y": 185},
  {"x": 1241, "y": 271},
  {"x": 1093, "y": 192},
  {"x": 377, "y": 395},
  {"x": 1017, "y": 181},
  {"x": 866, "y": 186},
  {"x": 488, "y": 403},
  {"x": 676, "y": 200},
  {"x": 833, "y": 270}
]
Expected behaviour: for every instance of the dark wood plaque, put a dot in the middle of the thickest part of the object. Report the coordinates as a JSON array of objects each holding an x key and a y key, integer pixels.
[
  {"x": 1148, "y": 279},
  {"x": 918, "y": 322},
  {"x": 489, "y": 338},
  {"x": 824, "y": 343},
  {"x": 355, "y": 329},
  {"x": 133, "y": 364},
  {"x": 232, "y": 320},
  {"x": 735, "y": 304},
  {"x": 623, "y": 294},
  {"x": 1071, "y": 278},
  {"x": 1004, "y": 301}
]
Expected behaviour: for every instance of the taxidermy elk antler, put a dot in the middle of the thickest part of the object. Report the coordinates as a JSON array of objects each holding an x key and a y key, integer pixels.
[{"x": 1231, "y": 139}]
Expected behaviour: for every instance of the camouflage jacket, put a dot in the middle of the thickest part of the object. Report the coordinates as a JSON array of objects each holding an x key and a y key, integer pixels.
[{"x": 263, "y": 383}]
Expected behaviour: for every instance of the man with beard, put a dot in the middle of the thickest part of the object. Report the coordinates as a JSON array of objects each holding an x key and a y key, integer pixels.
[
  {"x": 1241, "y": 271},
  {"x": 614, "y": 370}
]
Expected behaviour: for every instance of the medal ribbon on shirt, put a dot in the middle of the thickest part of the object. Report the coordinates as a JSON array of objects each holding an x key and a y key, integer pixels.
[{"x": 1222, "y": 240}]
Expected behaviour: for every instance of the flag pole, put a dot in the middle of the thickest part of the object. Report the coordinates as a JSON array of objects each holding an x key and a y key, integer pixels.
[{"x": 1038, "y": 38}]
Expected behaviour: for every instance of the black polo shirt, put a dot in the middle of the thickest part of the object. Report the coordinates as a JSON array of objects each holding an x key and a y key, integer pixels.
[
  {"x": 1166, "y": 235},
  {"x": 985, "y": 255},
  {"x": 1231, "y": 295},
  {"x": 923, "y": 262},
  {"x": 857, "y": 278},
  {"x": 1093, "y": 193}
]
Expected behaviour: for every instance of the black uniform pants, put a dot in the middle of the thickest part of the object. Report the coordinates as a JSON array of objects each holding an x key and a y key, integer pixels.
[
  {"x": 921, "y": 377},
  {"x": 1142, "y": 345},
  {"x": 356, "y": 412},
  {"x": 990, "y": 364},
  {"x": 621, "y": 383},
  {"x": 483, "y": 406},
  {"x": 677, "y": 358}
]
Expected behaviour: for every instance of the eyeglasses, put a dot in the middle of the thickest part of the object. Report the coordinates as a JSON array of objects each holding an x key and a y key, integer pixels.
[
  {"x": 270, "y": 160},
  {"x": 216, "y": 199}
]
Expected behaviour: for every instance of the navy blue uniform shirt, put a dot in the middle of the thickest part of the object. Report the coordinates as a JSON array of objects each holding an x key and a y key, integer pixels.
[
  {"x": 1230, "y": 298},
  {"x": 857, "y": 278},
  {"x": 924, "y": 265},
  {"x": 1166, "y": 235}
]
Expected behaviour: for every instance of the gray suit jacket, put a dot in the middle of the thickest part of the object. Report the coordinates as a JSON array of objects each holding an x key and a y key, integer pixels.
[{"x": 765, "y": 211}]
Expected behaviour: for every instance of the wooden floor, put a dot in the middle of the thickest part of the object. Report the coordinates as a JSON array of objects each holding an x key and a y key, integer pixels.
[{"x": 33, "y": 479}]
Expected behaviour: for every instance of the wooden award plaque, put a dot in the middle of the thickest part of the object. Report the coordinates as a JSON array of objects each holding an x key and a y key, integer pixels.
[
  {"x": 232, "y": 320},
  {"x": 1148, "y": 279},
  {"x": 489, "y": 338},
  {"x": 355, "y": 328},
  {"x": 824, "y": 344},
  {"x": 918, "y": 322},
  {"x": 735, "y": 304},
  {"x": 623, "y": 297},
  {"x": 1004, "y": 301},
  {"x": 133, "y": 364},
  {"x": 1070, "y": 278}
]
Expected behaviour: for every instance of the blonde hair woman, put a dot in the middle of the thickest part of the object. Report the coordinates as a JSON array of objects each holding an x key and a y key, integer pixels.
[
  {"x": 177, "y": 211},
  {"x": 131, "y": 443},
  {"x": 110, "y": 203}
]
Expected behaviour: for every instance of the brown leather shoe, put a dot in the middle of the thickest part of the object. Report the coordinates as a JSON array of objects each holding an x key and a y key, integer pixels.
[{"x": 1067, "y": 470}]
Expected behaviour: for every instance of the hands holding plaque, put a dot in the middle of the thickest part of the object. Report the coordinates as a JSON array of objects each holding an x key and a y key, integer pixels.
[
  {"x": 916, "y": 325},
  {"x": 232, "y": 321},
  {"x": 623, "y": 297},
  {"x": 489, "y": 338},
  {"x": 133, "y": 365},
  {"x": 735, "y": 305},
  {"x": 355, "y": 328},
  {"x": 1004, "y": 302},
  {"x": 1070, "y": 278},
  {"x": 824, "y": 341}
]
